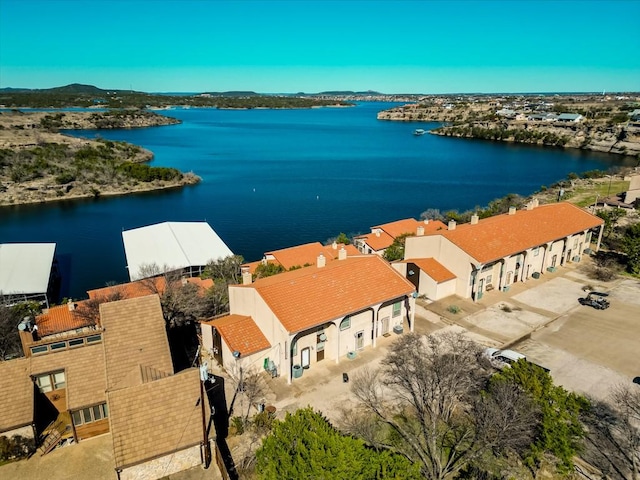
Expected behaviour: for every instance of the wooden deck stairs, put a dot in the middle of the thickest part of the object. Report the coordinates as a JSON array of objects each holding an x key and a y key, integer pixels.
[{"x": 56, "y": 433}]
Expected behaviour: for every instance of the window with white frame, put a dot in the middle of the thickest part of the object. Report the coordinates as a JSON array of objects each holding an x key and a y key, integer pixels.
[
  {"x": 397, "y": 308},
  {"x": 345, "y": 324},
  {"x": 51, "y": 381},
  {"x": 575, "y": 243},
  {"x": 536, "y": 251},
  {"x": 90, "y": 414}
]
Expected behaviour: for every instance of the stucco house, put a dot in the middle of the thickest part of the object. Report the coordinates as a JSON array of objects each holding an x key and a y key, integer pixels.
[
  {"x": 382, "y": 236},
  {"x": 495, "y": 252},
  {"x": 294, "y": 320}
]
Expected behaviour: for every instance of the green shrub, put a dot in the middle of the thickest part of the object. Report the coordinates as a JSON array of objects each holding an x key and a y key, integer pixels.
[
  {"x": 65, "y": 178},
  {"x": 453, "y": 309},
  {"x": 13, "y": 448}
]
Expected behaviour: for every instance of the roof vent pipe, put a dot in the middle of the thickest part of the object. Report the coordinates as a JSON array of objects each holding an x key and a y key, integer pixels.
[{"x": 512, "y": 210}]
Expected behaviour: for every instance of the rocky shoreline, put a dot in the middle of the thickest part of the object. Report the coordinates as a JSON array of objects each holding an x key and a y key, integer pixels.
[
  {"x": 479, "y": 121},
  {"x": 38, "y": 164}
]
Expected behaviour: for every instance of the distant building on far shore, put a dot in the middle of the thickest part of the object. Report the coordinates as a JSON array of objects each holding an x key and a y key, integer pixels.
[{"x": 184, "y": 247}]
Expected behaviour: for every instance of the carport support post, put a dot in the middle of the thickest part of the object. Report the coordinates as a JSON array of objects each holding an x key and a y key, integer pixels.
[{"x": 599, "y": 238}]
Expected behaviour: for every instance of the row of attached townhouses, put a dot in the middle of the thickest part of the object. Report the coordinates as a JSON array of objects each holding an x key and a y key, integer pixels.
[
  {"x": 493, "y": 253},
  {"x": 296, "y": 319}
]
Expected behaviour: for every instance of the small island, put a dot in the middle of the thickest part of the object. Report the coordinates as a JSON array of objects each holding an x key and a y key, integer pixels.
[{"x": 40, "y": 164}]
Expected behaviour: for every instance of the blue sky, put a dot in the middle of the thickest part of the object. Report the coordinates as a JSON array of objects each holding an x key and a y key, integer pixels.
[{"x": 297, "y": 45}]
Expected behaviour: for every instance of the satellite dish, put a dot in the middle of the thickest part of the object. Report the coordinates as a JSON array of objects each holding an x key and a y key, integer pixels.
[
  {"x": 22, "y": 326},
  {"x": 323, "y": 337}
]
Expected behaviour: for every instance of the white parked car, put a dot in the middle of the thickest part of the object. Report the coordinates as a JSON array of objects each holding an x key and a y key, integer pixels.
[{"x": 503, "y": 357}]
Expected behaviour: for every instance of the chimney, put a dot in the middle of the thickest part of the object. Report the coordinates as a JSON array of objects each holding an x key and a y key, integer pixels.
[
  {"x": 321, "y": 261},
  {"x": 342, "y": 254},
  {"x": 474, "y": 219},
  {"x": 184, "y": 281},
  {"x": 420, "y": 230},
  {"x": 71, "y": 305},
  {"x": 246, "y": 275},
  {"x": 452, "y": 225},
  {"x": 426, "y": 221},
  {"x": 377, "y": 233},
  {"x": 535, "y": 202},
  {"x": 512, "y": 210},
  {"x": 334, "y": 245}
]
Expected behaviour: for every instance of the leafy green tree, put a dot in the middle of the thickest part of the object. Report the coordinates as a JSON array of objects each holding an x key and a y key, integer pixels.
[
  {"x": 396, "y": 250},
  {"x": 560, "y": 431},
  {"x": 268, "y": 269},
  {"x": 631, "y": 246},
  {"x": 343, "y": 238},
  {"x": 611, "y": 218},
  {"x": 306, "y": 445}
]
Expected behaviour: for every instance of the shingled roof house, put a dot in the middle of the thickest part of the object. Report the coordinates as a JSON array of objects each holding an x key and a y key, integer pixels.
[
  {"x": 495, "y": 252},
  {"x": 382, "y": 236},
  {"x": 296, "y": 319},
  {"x": 114, "y": 376}
]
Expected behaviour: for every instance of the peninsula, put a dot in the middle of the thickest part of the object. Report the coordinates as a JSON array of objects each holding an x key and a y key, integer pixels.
[
  {"x": 608, "y": 124},
  {"x": 40, "y": 164}
]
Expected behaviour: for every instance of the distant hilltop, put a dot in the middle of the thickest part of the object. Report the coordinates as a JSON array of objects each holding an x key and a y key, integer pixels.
[{"x": 74, "y": 88}]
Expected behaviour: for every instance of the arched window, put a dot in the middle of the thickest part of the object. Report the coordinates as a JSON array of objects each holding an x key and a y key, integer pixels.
[{"x": 345, "y": 323}]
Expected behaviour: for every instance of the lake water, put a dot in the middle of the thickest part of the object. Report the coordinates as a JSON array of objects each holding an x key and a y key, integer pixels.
[{"x": 277, "y": 178}]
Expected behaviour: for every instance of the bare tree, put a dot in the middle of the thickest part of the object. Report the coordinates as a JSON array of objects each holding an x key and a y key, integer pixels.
[
  {"x": 427, "y": 395},
  {"x": 613, "y": 440},
  {"x": 10, "y": 345},
  {"x": 89, "y": 310}
]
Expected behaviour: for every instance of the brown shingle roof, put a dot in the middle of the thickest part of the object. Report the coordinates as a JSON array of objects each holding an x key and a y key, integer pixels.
[
  {"x": 16, "y": 394},
  {"x": 240, "y": 333},
  {"x": 311, "y": 296},
  {"x": 504, "y": 235},
  {"x": 134, "y": 335},
  {"x": 155, "y": 418},
  {"x": 433, "y": 268},
  {"x": 84, "y": 373}
]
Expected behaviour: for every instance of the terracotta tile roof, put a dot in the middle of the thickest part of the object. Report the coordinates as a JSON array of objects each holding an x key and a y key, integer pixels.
[
  {"x": 140, "y": 288},
  {"x": 134, "y": 335},
  {"x": 301, "y": 255},
  {"x": 504, "y": 235},
  {"x": 84, "y": 373},
  {"x": 392, "y": 230},
  {"x": 60, "y": 319},
  {"x": 204, "y": 284},
  {"x": 156, "y": 418},
  {"x": 240, "y": 333},
  {"x": 311, "y": 296},
  {"x": 377, "y": 241},
  {"x": 433, "y": 268},
  {"x": 16, "y": 394},
  {"x": 332, "y": 253}
]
